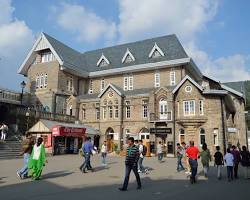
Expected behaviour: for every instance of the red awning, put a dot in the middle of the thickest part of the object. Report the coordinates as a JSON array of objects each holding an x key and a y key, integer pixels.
[{"x": 68, "y": 131}]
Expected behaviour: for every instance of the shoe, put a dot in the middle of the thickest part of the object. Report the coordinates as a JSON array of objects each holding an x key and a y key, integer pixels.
[
  {"x": 122, "y": 189},
  {"x": 139, "y": 171},
  {"x": 191, "y": 180},
  {"x": 18, "y": 175},
  {"x": 138, "y": 188},
  {"x": 84, "y": 171}
]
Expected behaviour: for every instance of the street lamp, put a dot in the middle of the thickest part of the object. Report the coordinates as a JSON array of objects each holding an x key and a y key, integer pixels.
[
  {"x": 27, "y": 114},
  {"x": 22, "y": 84}
]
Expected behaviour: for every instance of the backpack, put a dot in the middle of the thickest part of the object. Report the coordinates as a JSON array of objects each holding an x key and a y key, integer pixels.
[{"x": 144, "y": 152}]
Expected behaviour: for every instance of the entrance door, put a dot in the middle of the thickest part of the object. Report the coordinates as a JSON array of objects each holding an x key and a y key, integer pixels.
[{"x": 110, "y": 139}]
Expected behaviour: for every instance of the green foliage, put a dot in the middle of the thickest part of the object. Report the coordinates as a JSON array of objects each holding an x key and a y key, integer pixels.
[{"x": 247, "y": 87}]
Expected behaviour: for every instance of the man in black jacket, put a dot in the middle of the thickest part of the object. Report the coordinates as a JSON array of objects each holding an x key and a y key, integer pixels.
[{"x": 131, "y": 162}]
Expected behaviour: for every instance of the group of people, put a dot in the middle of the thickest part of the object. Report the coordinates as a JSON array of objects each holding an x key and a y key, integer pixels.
[
  {"x": 4, "y": 131},
  {"x": 231, "y": 159},
  {"x": 34, "y": 158}
]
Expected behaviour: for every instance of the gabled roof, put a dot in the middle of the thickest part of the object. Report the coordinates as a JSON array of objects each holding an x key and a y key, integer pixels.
[
  {"x": 100, "y": 60},
  {"x": 107, "y": 87},
  {"x": 232, "y": 90},
  {"x": 184, "y": 80}
]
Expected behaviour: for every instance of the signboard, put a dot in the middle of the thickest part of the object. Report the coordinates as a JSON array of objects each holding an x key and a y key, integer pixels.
[
  {"x": 68, "y": 131},
  {"x": 161, "y": 131},
  {"x": 232, "y": 130}
]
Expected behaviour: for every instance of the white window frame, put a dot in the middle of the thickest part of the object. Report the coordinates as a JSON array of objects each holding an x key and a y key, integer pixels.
[
  {"x": 37, "y": 81},
  {"x": 70, "y": 83},
  {"x": 102, "y": 85},
  {"x": 110, "y": 111},
  {"x": 202, "y": 134},
  {"x": 116, "y": 114},
  {"x": 201, "y": 107},
  {"x": 91, "y": 86},
  {"x": 41, "y": 80},
  {"x": 98, "y": 113},
  {"x": 125, "y": 83},
  {"x": 188, "y": 112},
  {"x": 172, "y": 78},
  {"x": 104, "y": 112},
  {"x": 182, "y": 134},
  {"x": 130, "y": 82},
  {"x": 128, "y": 109},
  {"x": 45, "y": 80},
  {"x": 144, "y": 109},
  {"x": 216, "y": 133},
  {"x": 100, "y": 60},
  {"x": 83, "y": 113},
  {"x": 163, "y": 109},
  {"x": 157, "y": 79},
  {"x": 47, "y": 57}
]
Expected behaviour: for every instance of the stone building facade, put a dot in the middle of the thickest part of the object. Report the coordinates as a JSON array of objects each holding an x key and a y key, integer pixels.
[{"x": 149, "y": 89}]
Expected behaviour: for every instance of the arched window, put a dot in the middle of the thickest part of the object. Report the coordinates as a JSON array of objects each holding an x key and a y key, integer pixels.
[
  {"x": 163, "y": 109},
  {"x": 41, "y": 80},
  {"x": 182, "y": 135},
  {"x": 45, "y": 80},
  {"x": 202, "y": 136}
]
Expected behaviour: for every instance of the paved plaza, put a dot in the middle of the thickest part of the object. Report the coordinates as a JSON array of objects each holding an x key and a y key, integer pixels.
[{"x": 62, "y": 180}]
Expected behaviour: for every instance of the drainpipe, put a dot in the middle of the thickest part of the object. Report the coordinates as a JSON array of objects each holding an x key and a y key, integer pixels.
[
  {"x": 223, "y": 125},
  {"x": 121, "y": 138},
  {"x": 173, "y": 115}
]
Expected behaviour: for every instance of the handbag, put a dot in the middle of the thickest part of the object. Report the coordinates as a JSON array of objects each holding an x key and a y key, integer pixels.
[{"x": 81, "y": 153}]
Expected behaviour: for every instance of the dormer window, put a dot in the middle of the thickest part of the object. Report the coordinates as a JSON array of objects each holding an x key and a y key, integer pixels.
[
  {"x": 156, "y": 52},
  {"x": 128, "y": 57},
  {"x": 103, "y": 61}
]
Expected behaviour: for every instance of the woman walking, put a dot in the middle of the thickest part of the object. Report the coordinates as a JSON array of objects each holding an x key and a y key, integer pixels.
[
  {"x": 104, "y": 151},
  {"x": 37, "y": 160},
  {"x": 245, "y": 161},
  {"x": 205, "y": 158}
]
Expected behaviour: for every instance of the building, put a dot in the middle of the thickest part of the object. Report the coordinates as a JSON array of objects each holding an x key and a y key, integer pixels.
[{"x": 149, "y": 89}]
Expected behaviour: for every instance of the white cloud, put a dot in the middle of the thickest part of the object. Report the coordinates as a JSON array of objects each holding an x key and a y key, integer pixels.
[
  {"x": 16, "y": 39},
  {"x": 88, "y": 26}
]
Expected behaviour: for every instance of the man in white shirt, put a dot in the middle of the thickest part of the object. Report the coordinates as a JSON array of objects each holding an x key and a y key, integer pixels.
[
  {"x": 229, "y": 160},
  {"x": 104, "y": 150},
  {"x": 141, "y": 157}
]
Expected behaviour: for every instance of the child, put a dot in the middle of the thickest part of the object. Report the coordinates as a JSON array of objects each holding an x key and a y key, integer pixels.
[
  {"x": 205, "y": 158},
  {"x": 218, "y": 161},
  {"x": 229, "y": 159}
]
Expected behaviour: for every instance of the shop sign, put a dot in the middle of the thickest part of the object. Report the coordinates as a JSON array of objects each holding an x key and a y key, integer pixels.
[
  {"x": 232, "y": 130},
  {"x": 68, "y": 131},
  {"x": 161, "y": 131}
]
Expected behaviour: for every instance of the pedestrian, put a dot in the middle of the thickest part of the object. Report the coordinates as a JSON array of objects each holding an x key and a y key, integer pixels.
[
  {"x": 104, "y": 150},
  {"x": 193, "y": 154},
  {"x": 160, "y": 151},
  {"x": 237, "y": 159},
  {"x": 87, "y": 149},
  {"x": 142, "y": 154},
  {"x": 131, "y": 162},
  {"x": 229, "y": 160},
  {"x": 179, "y": 151},
  {"x": 245, "y": 161},
  {"x": 4, "y": 131},
  {"x": 205, "y": 158},
  {"x": 185, "y": 158},
  {"x": 27, "y": 146},
  {"x": 218, "y": 161},
  {"x": 37, "y": 160}
]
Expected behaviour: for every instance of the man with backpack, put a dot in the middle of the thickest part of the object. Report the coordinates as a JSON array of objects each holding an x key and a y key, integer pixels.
[{"x": 142, "y": 152}]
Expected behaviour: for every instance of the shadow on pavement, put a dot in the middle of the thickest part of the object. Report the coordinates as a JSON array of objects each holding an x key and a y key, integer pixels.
[
  {"x": 56, "y": 174},
  {"x": 152, "y": 189}
]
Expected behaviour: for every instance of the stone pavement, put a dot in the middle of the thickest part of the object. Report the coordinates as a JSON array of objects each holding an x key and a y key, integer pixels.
[{"x": 62, "y": 180}]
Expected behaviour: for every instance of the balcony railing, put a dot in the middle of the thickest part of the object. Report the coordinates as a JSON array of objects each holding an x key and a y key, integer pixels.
[
  {"x": 46, "y": 115},
  {"x": 161, "y": 116},
  {"x": 9, "y": 96}
]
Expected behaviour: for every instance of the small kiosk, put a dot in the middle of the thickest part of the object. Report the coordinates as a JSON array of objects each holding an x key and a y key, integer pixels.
[{"x": 59, "y": 137}]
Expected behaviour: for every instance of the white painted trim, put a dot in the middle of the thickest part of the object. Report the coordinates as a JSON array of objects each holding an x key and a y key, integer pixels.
[
  {"x": 126, "y": 54},
  {"x": 157, "y": 84},
  {"x": 102, "y": 58},
  {"x": 105, "y": 89},
  {"x": 156, "y": 47},
  {"x": 232, "y": 90},
  {"x": 140, "y": 67},
  {"x": 219, "y": 92},
  {"x": 27, "y": 62},
  {"x": 184, "y": 80}
]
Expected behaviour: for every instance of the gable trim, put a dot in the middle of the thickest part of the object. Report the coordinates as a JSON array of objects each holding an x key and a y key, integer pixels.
[
  {"x": 184, "y": 80},
  {"x": 102, "y": 58},
  {"x": 232, "y": 90},
  {"x": 155, "y": 47},
  {"x": 126, "y": 54},
  {"x": 28, "y": 60},
  {"x": 106, "y": 88}
]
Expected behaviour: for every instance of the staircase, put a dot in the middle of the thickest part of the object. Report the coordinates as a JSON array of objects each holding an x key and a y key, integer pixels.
[{"x": 10, "y": 148}]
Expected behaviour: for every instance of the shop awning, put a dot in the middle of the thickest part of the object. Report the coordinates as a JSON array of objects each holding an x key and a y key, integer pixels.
[{"x": 68, "y": 131}]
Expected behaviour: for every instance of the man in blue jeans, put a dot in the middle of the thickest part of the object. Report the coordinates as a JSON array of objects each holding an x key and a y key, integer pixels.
[
  {"x": 193, "y": 154},
  {"x": 131, "y": 164},
  {"x": 87, "y": 150},
  {"x": 27, "y": 146}
]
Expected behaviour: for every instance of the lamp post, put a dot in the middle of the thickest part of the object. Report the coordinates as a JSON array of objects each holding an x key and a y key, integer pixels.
[
  {"x": 22, "y": 84},
  {"x": 27, "y": 114}
]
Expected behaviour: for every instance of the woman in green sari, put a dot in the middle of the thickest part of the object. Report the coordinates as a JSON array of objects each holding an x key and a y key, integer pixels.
[{"x": 37, "y": 160}]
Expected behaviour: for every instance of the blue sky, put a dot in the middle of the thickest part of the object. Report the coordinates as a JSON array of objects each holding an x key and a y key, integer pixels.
[{"x": 214, "y": 32}]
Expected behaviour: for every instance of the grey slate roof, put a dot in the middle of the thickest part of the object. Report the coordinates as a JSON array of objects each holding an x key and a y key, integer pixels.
[
  {"x": 87, "y": 61},
  {"x": 238, "y": 86}
]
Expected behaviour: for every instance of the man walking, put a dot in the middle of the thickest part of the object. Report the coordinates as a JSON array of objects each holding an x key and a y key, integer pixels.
[
  {"x": 87, "y": 151},
  {"x": 27, "y": 146},
  {"x": 237, "y": 160},
  {"x": 4, "y": 131},
  {"x": 142, "y": 153},
  {"x": 131, "y": 161},
  {"x": 193, "y": 153},
  {"x": 179, "y": 151}
]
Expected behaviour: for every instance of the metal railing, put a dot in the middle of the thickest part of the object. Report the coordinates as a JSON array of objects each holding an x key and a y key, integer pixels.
[
  {"x": 9, "y": 95},
  {"x": 161, "y": 116}
]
